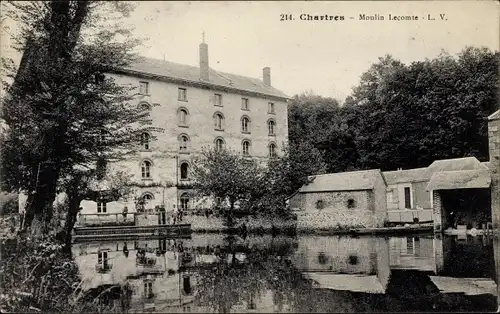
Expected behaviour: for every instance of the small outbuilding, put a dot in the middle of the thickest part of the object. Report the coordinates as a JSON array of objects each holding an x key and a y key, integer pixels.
[{"x": 347, "y": 199}]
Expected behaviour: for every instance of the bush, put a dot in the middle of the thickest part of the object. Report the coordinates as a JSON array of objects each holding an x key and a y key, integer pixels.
[
  {"x": 9, "y": 203},
  {"x": 36, "y": 275}
]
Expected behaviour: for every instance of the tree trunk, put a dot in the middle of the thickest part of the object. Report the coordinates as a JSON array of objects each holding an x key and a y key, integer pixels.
[
  {"x": 73, "y": 207},
  {"x": 230, "y": 220},
  {"x": 40, "y": 203}
]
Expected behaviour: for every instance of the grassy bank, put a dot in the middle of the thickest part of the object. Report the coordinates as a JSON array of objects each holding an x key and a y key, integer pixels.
[{"x": 37, "y": 275}]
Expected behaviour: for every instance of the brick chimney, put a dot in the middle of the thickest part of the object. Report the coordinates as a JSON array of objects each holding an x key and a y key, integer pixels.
[
  {"x": 266, "y": 75},
  {"x": 204, "y": 69}
]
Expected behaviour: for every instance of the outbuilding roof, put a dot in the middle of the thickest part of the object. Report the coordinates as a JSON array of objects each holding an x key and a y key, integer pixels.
[
  {"x": 404, "y": 176},
  {"x": 342, "y": 181},
  {"x": 461, "y": 179},
  {"x": 456, "y": 164},
  {"x": 495, "y": 115},
  {"x": 191, "y": 74}
]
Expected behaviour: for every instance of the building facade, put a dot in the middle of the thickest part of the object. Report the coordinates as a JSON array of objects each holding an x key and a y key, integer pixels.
[
  {"x": 407, "y": 197},
  {"x": 191, "y": 109}
]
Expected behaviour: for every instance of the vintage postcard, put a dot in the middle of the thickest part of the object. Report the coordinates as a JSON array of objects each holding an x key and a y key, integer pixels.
[{"x": 250, "y": 156}]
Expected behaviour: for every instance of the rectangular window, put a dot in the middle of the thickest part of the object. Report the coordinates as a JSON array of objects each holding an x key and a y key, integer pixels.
[
  {"x": 244, "y": 104},
  {"x": 407, "y": 197},
  {"x": 144, "y": 88},
  {"x": 270, "y": 108},
  {"x": 102, "y": 260},
  {"x": 218, "y": 99},
  {"x": 101, "y": 207},
  {"x": 182, "y": 94},
  {"x": 410, "y": 246}
]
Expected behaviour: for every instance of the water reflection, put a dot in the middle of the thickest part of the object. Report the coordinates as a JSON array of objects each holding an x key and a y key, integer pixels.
[{"x": 218, "y": 273}]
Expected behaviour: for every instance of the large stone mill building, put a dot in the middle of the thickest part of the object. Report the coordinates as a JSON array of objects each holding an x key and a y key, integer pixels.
[
  {"x": 193, "y": 108},
  {"x": 196, "y": 108}
]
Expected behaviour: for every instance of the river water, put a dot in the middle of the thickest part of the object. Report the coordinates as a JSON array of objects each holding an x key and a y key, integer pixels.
[{"x": 221, "y": 273}]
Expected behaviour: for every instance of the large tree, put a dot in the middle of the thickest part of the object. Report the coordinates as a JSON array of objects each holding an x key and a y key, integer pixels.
[
  {"x": 404, "y": 115},
  {"x": 259, "y": 187},
  {"x": 62, "y": 111},
  {"x": 286, "y": 174},
  {"x": 226, "y": 175},
  {"x": 411, "y": 115}
]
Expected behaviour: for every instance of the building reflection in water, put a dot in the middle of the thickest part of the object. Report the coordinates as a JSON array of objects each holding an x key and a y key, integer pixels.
[{"x": 214, "y": 273}]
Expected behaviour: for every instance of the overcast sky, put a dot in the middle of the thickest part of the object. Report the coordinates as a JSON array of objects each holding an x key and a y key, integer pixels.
[{"x": 326, "y": 57}]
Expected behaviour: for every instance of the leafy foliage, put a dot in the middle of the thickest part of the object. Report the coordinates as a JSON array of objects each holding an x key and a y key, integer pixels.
[
  {"x": 8, "y": 203},
  {"x": 227, "y": 175},
  {"x": 36, "y": 275},
  {"x": 286, "y": 174},
  {"x": 263, "y": 188},
  {"x": 62, "y": 112},
  {"x": 404, "y": 115}
]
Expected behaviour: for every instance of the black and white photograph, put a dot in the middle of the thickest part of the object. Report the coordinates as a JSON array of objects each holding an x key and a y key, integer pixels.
[{"x": 249, "y": 156}]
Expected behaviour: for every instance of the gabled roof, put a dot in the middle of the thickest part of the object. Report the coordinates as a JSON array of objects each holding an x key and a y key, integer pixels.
[
  {"x": 191, "y": 74},
  {"x": 404, "y": 176},
  {"x": 342, "y": 181},
  {"x": 495, "y": 115},
  {"x": 461, "y": 179},
  {"x": 467, "y": 163}
]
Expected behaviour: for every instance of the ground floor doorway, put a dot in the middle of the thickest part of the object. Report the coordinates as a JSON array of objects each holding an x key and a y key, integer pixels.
[{"x": 470, "y": 207}]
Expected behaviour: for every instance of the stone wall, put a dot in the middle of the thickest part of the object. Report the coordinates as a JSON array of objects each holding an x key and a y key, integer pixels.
[
  {"x": 298, "y": 201},
  {"x": 380, "y": 200},
  {"x": 202, "y": 223},
  {"x": 335, "y": 201},
  {"x": 253, "y": 223},
  {"x": 146, "y": 219},
  {"x": 335, "y": 214}
]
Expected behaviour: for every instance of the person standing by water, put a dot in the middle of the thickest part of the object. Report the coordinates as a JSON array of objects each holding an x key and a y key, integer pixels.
[{"x": 175, "y": 213}]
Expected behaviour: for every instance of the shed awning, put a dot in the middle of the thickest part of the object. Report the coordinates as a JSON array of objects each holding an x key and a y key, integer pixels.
[{"x": 462, "y": 179}]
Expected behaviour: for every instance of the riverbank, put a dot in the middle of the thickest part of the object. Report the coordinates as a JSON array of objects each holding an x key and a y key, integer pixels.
[{"x": 278, "y": 225}]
